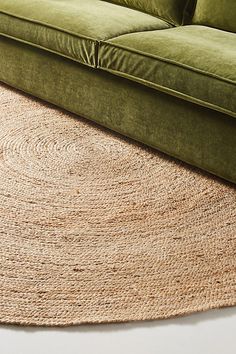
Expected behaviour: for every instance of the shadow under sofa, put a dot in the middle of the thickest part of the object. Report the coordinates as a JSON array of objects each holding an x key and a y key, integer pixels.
[{"x": 89, "y": 81}]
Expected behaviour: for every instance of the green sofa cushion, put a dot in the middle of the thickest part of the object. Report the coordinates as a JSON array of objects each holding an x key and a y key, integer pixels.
[
  {"x": 216, "y": 13},
  {"x": 169, "y": 10},
  {"x": 184, "y": 61},
  {"x": 71, "y": 28}
]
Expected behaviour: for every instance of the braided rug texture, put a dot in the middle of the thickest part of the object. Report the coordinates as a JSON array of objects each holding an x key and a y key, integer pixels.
[{"x": 95, "y": 228}]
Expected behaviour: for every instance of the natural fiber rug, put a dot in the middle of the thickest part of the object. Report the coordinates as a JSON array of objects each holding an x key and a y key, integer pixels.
[{"x": 95, "y": 228}]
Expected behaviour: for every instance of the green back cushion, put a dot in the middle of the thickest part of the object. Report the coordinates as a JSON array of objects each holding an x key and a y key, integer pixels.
[
  {"x": 220, "y": 14},
  {"x": 171, "y": 11}
]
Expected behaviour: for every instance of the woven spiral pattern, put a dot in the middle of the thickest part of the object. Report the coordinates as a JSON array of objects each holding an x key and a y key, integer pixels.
[{"x": 95, "y": 228}]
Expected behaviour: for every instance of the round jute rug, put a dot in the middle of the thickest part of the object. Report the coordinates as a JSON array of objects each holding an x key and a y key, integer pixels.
[{"x": 95, "y": 228}]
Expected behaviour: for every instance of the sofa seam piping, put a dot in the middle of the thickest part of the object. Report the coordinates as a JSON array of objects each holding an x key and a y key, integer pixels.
[{"x": 172, "y": 92}]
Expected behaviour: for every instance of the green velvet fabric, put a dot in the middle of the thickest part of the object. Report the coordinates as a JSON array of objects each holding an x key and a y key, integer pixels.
[
  {"x": 216, "y": 13},
  {"x": 195, "y": 63},
  {"x": 195, "y": 134},
  {"x": 71, "y": 28},
  {"x": 169, "y": 10}
]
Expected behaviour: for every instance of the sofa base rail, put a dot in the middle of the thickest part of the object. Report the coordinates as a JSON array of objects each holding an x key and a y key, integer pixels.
[{"x": 194, "y": 134}]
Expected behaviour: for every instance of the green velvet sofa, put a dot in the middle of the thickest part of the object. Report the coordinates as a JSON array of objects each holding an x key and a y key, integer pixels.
[{"x": 162, "y": 72}]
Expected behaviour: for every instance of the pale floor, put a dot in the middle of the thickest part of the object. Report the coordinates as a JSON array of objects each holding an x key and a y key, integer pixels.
[{"x": 212, "y": 332}]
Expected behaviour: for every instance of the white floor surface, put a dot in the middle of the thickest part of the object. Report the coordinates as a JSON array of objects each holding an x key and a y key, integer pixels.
[{"x": 212, "y": 332}]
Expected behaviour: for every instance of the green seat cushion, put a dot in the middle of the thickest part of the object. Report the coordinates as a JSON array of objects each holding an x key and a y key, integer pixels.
[
  {"x": 216, "y": 13},
  {"x": 71, "y": 28},
  {"x": 195, "y": 63},
  {"x": 169, "y": 10}
]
